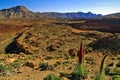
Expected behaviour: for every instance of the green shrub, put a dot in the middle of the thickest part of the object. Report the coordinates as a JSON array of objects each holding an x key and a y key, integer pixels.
[
  {"x": 66, "y": 56},
  {"x": 30, "y": 57},
  {"x": 62, "y": 74},
  {"x": 57, "y": 63},
  {"x": 79, "y": 72},
  {"x": 2, "y": 67},
  {"x": 116, "y": 77},
  {"x": 43, "y": 66},
  {"x": 100, "y": 76},
  {"x": 5, "y": 70},
  {"x": 51, "y": 77},
  {"x": 65, "y": 62},
  {"x": 107, "y": 71},
  {"x": 16, "y": 63},
  {"x": 49, "y": 57}
]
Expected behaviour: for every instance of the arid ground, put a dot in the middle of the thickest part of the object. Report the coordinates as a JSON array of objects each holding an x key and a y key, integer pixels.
[{"x": 30, "y": 49}]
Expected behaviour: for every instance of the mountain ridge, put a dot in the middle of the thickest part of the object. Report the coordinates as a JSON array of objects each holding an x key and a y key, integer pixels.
[
  {"x": 23, "y": 12},
  {"x": 114, "y": 15}
]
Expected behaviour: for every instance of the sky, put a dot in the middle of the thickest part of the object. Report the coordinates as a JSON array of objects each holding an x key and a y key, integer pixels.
[{"x": 95, "y": 6}]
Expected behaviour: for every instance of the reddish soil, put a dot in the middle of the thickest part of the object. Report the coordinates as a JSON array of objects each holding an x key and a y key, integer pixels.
[{"x": 11, "y": 29}]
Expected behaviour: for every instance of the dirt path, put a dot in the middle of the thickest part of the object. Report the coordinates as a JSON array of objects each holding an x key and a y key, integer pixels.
[{"x": 79, "y": 31}]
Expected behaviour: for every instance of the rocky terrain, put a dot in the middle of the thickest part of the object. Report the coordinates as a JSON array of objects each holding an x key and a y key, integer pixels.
[{"x": 33, "y": 48}]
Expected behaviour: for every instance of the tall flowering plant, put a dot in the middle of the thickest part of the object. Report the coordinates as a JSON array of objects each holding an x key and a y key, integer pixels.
[
  {"x": 81, "y": 54},
  {"x": 100, "y": 75},
  {"x": 80, "y": 69}
]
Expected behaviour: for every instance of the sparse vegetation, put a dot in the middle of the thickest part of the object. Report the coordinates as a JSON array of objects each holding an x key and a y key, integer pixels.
[{"x": 40, "y": 47}]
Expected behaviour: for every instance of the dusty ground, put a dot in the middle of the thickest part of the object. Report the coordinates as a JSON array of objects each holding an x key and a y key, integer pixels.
[
  {"x": 28, "y": 73},
  {"x": 33, "y": 44}
]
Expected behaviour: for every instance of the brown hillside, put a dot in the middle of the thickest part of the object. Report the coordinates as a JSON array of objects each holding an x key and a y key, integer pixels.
[{"x": 109, "y": 25}]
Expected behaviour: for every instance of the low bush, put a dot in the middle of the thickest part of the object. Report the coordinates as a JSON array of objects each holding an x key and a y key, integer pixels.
[
  {"x": 43, "y": 66},
  {"x": 57, "y": 63},
  {"x": 49, "y": 57},
  {"x": 116, "y": 77},
  {"x": 5, "y": 70},
  {"x": 16, "y": 63},
  {"x": 30, "y": 57},
  {"x": 51, "y": 77},
  {"x": 107, "y": 71}
]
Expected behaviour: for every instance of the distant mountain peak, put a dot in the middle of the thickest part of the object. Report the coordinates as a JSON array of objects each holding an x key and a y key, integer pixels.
[
  {"x": 16, "y": 9},
  {"x": 90, "y": 12},
  {"x": 21, "y": 8},
  {"x": 17, "y": 12}
]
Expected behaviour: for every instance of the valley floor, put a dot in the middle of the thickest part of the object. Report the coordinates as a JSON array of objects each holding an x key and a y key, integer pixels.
[{"x": 36, "y": 48}]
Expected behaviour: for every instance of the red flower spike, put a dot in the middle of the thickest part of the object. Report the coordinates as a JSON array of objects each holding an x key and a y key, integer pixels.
[{"x": 81, "y": 54}]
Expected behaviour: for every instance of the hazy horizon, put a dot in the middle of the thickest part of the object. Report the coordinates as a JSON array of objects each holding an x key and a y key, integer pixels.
[{"x": 95, "y": 6}]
